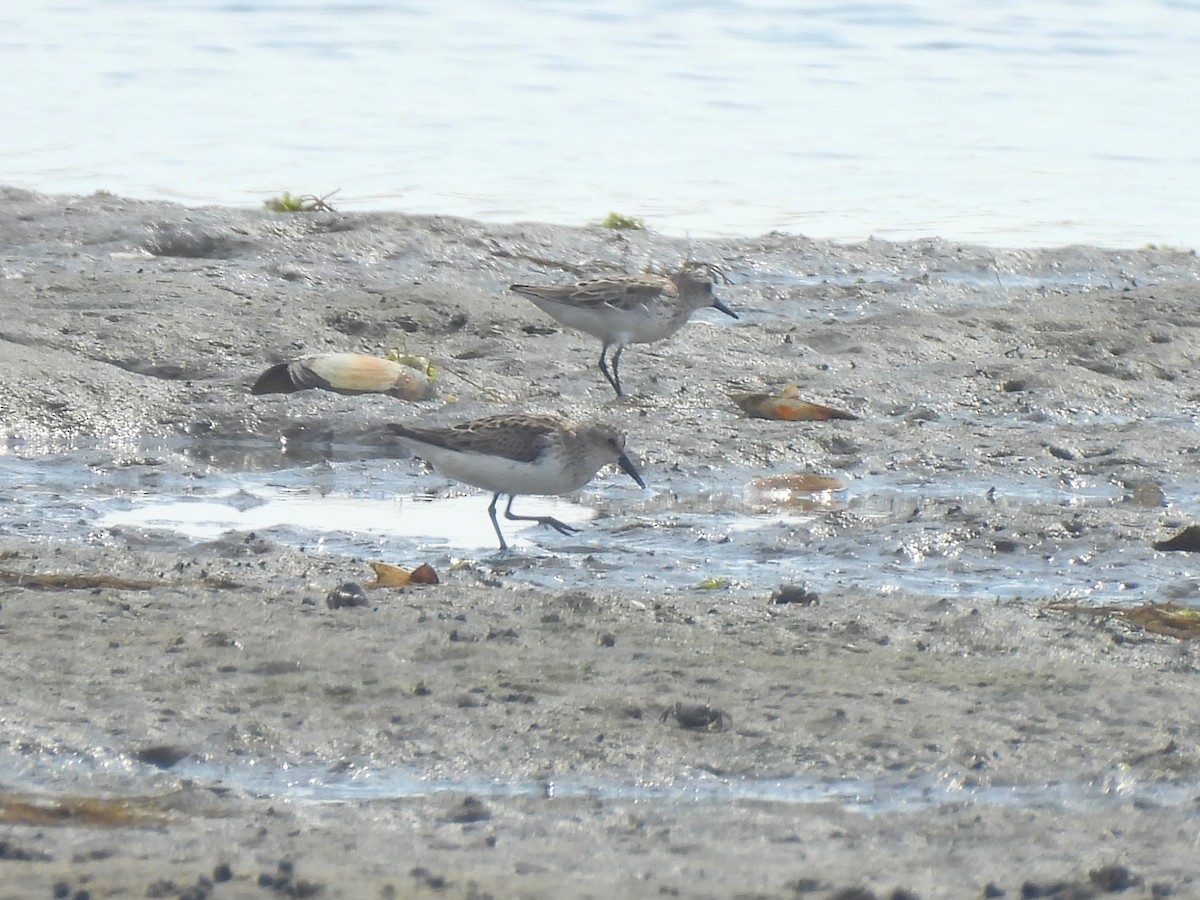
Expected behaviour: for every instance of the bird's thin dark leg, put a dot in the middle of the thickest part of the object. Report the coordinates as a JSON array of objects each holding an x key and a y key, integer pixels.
[
  {"x": 560, "y": 527},
  {"x": 616, "y": 362},
  {"x": 495, "y": 524},
  {"x": 614, "y": 381}
]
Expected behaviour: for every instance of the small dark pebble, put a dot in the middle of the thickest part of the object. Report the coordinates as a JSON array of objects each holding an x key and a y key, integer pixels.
[
  {"x": 803, "y": 885},
  {"x": 348, "y": 594},
  {"x": 607, "y": 640},
  {"x": 1113, "y": 878},
  {"x": 61, "y": 889},
  {"x": 1059, "y": 890},
  {"x": 82, "y": 894},
  {"x": 990, "y": 891},
  {"x": 697, "y": 716},
  {"x": 470, "y": 810},
  {"x": 1187, "y": 540},
  {"x": 223, "y": 872},
  {"x": 266, "y": 880},
  {"x": 853, "y": 893},
  {"x": 162, "y": 755},
  {"x": 287, "y": 868},
  {"x": 795, "y": 593}
]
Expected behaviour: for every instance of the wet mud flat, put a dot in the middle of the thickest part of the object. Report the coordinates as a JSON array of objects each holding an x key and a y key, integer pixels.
[{"x": 181, "y": 711}]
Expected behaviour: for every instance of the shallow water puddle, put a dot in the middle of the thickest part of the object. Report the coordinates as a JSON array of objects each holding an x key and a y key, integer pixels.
[
  {"x": 454, "y": 522},
  {"x": 344, "y": 783},
  {"x": 944, "y": 535}
]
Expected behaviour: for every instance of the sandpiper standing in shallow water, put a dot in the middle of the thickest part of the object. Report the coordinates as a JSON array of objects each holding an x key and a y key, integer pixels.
[
  {"x": 627, "y": 309},
  {"x": 514, "y": 455}
]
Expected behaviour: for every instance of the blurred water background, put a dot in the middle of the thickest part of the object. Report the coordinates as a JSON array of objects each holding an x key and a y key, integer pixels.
[{"x": 1019, "y": 123}]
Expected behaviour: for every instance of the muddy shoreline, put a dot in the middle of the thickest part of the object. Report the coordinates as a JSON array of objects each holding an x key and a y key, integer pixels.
[{"x": 130, "y": 321}]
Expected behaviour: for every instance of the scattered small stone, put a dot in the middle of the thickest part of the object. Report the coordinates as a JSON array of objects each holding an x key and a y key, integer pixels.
[
  {"x": 1148, "y": 496},
  {"x": 283, "y": 882},
  {"x": 10, "y": 851},
  {"x": 608, "y": 639},
  {"x": 990, "y": 891},
  {"x": 431, "y": 880},
  {"x": 61, "y": 890},
  {"x": 795, "y": 593},
  {"x": 697, "y": 716},
  {"x": 348, "y": 594},
  {"x": 223, "y": 872}
]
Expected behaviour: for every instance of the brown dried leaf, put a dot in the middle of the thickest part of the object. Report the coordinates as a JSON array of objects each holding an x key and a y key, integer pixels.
[
  {"x": 1170, "y": 619},
  {"x": 79, "y": 811},
  {"x": 75, "y": 582}
]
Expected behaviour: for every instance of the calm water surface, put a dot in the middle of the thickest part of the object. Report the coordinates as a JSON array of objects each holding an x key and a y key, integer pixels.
[{"x": 1032, "y": 122}]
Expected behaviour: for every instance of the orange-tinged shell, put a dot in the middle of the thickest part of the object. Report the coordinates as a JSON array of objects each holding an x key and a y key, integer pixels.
[
  {"x": 393, "y": 576},
  {"x": 788, "y": 407},
  {"x": 346, "y": 373}
]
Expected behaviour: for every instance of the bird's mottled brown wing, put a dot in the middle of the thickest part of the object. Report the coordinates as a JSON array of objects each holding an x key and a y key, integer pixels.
[
  {"x": 519, "y": 438},
  {"x": 626, "y": 292}
]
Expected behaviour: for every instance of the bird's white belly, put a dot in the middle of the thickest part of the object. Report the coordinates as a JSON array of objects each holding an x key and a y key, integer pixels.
[
  {"x": 639, "y": 325},
  {"x": 508, "y": 476}
]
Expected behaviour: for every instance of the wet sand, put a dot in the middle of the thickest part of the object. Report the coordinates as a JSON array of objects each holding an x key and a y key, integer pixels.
[{"x": 128, "y": 320}]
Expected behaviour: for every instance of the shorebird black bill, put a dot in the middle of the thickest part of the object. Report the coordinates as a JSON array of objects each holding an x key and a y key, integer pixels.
[
  {"x": 723, "y": 308},
  {"x": 628, "y": 469}
]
